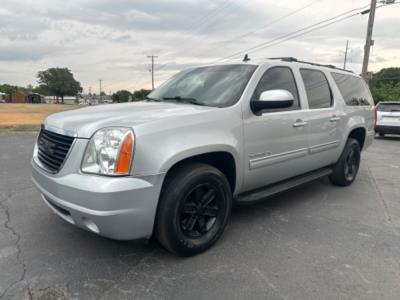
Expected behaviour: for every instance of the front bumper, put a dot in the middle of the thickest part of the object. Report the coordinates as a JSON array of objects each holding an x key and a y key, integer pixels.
[
  {"x": 122, "y": 208},
  {"x": 387, "y": 129}
]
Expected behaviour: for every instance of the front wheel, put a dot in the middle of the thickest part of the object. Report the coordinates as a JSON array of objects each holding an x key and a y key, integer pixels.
[
  {"x": 346, "y": 168},
  {"x": 194, "y": 208}
]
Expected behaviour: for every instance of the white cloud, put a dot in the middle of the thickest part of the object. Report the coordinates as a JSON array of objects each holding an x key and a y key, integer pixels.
[{"x": 111, "y": 39}]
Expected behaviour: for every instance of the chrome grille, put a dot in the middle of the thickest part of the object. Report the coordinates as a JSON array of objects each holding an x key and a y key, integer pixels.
[{"x": 53, "y": 149}]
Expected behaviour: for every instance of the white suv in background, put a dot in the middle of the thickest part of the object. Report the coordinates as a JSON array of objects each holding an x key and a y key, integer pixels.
[{"x": 387, "y": 118}]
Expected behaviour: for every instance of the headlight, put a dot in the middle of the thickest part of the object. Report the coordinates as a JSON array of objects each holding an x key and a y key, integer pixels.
[{"x": 109, "y": 152}]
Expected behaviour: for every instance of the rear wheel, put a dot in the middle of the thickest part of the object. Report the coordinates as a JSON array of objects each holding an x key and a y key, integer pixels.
[
  {"x": 346, "y": 168},
  {"x": 194, "y": 208}
]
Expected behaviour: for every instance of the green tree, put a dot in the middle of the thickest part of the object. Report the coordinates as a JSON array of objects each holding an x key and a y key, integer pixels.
[
  {"x": 385, "y": 85},
  {"x": 8, "y": 89},
  {"x": 386, "y": 92},
  {"x": 140, "y": 94},
  {"x": 42, "y": 90},
  {"x": 59, "y": 82},
  {"x": 121, "y": 96}
]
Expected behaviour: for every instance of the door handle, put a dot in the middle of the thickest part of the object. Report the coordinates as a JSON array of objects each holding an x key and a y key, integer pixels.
[
  {"x": 299, "y": 123},
  {"x": 334, "y": 118}
]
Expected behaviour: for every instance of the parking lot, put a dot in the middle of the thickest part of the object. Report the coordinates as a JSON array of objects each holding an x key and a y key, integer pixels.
[{"x": 316, "y": 242}]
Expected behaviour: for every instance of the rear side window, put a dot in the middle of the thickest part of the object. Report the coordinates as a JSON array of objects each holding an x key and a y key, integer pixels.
[
  {"x": 353, "y": 89},
  {"x": 319, "y": 94},
  {"x": 278, "y": 78},
  {"x": 388, "y": 107}
]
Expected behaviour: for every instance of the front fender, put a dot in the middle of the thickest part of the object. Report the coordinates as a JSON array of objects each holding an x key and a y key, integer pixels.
[{"x": 164, "y": 144}]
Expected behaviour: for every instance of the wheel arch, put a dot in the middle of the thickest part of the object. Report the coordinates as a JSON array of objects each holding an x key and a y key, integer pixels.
[
  {"x": 223, "y": 160},
  {"x": 359, "y": 134},
  {"x": 357, "y": 129}
]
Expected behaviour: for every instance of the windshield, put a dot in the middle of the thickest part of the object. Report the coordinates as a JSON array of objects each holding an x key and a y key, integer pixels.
[{"x": 218, "y": 86}]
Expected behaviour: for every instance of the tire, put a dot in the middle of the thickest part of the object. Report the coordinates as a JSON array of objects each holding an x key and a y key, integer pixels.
[
  {"x": 194, "y": 208},
  {"x": 381, "y": 134},
  {"x": 346, "y": 168}
]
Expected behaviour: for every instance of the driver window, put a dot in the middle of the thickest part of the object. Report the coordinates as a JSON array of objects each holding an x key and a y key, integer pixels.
[{"x": 278, "y": 78}]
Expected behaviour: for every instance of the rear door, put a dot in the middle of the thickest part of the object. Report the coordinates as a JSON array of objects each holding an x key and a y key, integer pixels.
[
  {"x": 388, "y": 114},
  {"x": 324, "y": 120}
]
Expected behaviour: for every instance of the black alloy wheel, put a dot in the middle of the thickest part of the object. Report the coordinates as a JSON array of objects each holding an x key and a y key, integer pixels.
[
  {"x": 194, "y": 208},
  {"x": 352, "y": 164},
  {"x": 200, "y": 210},
  {"x": 346, "y": 168}
]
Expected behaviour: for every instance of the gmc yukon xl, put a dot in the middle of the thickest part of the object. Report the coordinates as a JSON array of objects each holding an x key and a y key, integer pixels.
[{"x": 172, "y": 165}]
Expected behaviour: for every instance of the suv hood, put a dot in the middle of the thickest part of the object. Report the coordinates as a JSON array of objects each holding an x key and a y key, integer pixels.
[{"x": 84, "y": 122}]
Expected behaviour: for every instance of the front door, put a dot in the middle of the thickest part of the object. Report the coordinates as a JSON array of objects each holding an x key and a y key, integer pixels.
[{"x": 275, "y": 141}]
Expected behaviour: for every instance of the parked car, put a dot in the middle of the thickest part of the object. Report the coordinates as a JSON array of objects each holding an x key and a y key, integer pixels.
[
  {"x": 3, "y": 97},
  {"x": 387, "y": 116},
  {"x": 173, "y": 165}
]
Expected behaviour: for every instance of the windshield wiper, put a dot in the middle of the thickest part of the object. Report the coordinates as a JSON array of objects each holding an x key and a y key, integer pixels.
[
  {"x": 152, "y": 99},
  {"x": 185, "y": 100}
]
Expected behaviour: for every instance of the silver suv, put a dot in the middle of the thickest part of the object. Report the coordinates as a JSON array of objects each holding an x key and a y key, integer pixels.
[{"x": 173, "y": 165}]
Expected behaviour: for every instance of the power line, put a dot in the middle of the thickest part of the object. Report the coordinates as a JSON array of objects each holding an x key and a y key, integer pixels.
[
  {"x": 304, "y": 31},
  {"x": 277, "y": 20},
  {"x": 314, "y": 29},
  {"x": 209, "y": 14},
  {"x": 308, "y": 31},
  {"x": 199, "y": 24},
  {"x": 260, "y": 46},
  {"x": 369, "y": 42},
  {"x": 202, "y": 24},
  {"x": 319, "y": 25},
  {"x": 265, "y": 26}
]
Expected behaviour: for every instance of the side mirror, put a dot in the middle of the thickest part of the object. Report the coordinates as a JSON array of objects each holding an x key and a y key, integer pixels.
[{"x": 272, "y": 99}]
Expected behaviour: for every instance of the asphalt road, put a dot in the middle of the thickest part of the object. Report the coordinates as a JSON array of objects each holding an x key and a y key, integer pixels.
[{"x": 316, "y": 242}]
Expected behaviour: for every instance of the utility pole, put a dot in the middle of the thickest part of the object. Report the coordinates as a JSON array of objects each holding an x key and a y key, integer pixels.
[
  {"x": 345, "y": 54},
  {"x": 100, "y": 97},
  {"x": 152, "y": 69},
  {"x": 369, "y": 41}
]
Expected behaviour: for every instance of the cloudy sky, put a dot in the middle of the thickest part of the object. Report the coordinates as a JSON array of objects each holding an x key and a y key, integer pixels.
[{"x": 109, "y": 40}]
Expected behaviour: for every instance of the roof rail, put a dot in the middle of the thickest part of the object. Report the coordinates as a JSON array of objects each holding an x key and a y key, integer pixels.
[
  {"x": 292, "y": 59},
  {"x": 284, "y": 58}
]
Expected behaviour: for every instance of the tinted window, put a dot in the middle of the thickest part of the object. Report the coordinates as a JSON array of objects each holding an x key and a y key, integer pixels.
[
  {"x": 353, "y": 89},
  {"x": 219, "y": 86},
  {"x": 278, "y": 78},
  {"x": 388, "y": 107},
  {"x": 318, "y": 92}
]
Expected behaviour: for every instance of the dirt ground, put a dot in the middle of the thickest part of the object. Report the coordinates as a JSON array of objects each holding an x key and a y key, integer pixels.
[{"x": 24, "y": 117}]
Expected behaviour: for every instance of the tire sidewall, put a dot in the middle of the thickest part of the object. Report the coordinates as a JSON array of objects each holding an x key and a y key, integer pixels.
[
  {"x": 338, "y": 177},
  {"x": 173, "y": 199}
]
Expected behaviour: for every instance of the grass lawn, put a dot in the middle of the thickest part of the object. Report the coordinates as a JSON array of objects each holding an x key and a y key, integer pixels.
[{"x": 27, "y": 117}]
